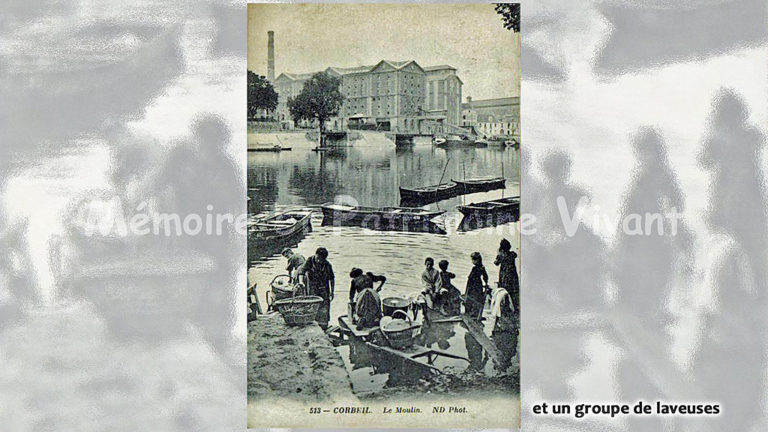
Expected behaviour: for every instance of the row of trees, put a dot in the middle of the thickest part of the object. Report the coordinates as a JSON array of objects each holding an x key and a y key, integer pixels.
[
  {"x": 262, "y": 97},
  {"x": 320, "y": 98}
]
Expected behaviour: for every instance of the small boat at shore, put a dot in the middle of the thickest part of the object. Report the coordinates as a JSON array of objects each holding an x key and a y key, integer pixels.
[
  {"x": 502, "y": 205},
  {"x": 453, "y": 141},
  {"x": 490, "y": 213},
  {"x": 429, "y": 194},
  {"x": 269, "y": 148},
  {"x": 364, "y": 216},
  {"x": 474, "y": 185},
  {"x": 279, "y": 228}
]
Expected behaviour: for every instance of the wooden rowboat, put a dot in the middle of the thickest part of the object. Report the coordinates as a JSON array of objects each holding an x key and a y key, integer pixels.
[
  {"x": 283, "y": 227},
  {"x": 474, "y": 185},
  {"x": 506, "y": 206},
  {"x": 346, "y": 327},
  {"x": 413, "y": 356},
  {"x": 269, "y": 148},
  {"x": 490, "y": 213},
  {"x": 383, "y": 218},
  {"x": 429, "y": 194}
]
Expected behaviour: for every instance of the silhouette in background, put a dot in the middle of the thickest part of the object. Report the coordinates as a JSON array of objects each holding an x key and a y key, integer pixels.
[
  {"x": 200, "y": 178},
  {"x": 729, "y": 363},
  {"x": 578, "y": 280},
  {"x": 18, "y": 286},
  {"x": 127, "y": 356},
  {"x": 555, "y": 279},
  {"x": 654, "y": 189},
  {"x": 648, "y": 267}
]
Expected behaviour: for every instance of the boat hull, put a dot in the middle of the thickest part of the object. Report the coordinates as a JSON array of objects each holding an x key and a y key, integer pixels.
[
  {"x": 429, "y": 194},
  {"x": 265, "y": 238},
  {"x": 485, "y": 185},
  {"x": 269, "y": 148},
  {"x": 490, "y": 213},
  {"x": 383, "y": 219}
]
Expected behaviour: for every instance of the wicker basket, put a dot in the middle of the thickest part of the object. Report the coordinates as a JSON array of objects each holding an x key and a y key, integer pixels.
[
  {"x": 282, "y": 288},
  {"x": 298, "y": 311},
  {"x": 400, "y": 338}
]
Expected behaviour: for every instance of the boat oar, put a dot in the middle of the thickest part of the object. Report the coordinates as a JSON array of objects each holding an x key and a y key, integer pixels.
[
  {"x": 502, "y": 172},
  {"x": 444, "y": 169}
]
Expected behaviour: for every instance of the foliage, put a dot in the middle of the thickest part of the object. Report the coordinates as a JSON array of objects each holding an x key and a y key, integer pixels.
[
  {"x": 299, "y": 109},
  {"x": 320, "y": 99},
  {"x": 261, "y": 95},
  {"x": 510, "y": 14}
]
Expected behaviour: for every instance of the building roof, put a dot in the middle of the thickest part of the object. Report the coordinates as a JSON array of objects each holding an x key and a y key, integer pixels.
[
  {"x": 488, "y": 103},
  {"x": 438, "y": 67},
  {"x": 350, "y": 70},
  {"x": 295, "y": 76},
  {"x": 398, "y": 64},
  {"x": 395, "y": 64}
]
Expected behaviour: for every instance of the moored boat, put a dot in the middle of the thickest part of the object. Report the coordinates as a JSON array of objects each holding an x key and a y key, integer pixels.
[
  {"x": 454, "y": 141},
  {"x": 281, "y": 227},
  {"x": 473, "y": 185},
  {"x": 429, "y": 194},
  {"x": 356, "y": 215},
  {"x": 382, "y": 219},
  {"x": 269, "y": 148},
  {"x": 490, "y": 213}
]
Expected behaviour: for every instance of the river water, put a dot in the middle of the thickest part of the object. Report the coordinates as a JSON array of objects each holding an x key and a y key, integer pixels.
[{"x": 369, "y": 171}]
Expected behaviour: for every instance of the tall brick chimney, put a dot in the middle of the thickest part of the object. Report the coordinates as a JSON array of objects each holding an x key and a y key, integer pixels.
[{"x": 271, "y": 56}]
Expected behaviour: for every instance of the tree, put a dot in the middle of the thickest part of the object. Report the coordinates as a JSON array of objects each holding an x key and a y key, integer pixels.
[
  {"x": 299, "y": 109},
  {"x": 261, "y": 95},
  {"x": 510, "y": 14},
  {"x": 320, "y": 99}
]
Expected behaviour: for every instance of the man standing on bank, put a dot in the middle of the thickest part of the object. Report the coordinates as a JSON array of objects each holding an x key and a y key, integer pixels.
[{"x": 320, "y": 281}]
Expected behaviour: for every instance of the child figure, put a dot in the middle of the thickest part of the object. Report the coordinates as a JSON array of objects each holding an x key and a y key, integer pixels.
[
  {"x": 429, "y": 280},
  {"x": 448, "y": 296},
  {"x": 477, "y": 286}
]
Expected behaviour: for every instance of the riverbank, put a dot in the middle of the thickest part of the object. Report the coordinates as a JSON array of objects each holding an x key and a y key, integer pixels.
[{"x": 293, "y": 362}]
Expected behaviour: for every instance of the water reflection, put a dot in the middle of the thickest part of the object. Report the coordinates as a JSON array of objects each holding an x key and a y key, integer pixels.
[{"x": 369, "y": 172}]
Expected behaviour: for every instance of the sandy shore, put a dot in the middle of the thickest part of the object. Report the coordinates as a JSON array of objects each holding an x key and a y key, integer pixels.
[{"x": 298, "y": 363}]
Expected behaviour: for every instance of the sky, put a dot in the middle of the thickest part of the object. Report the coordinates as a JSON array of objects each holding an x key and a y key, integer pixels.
[{"x": 469, "y": 37}]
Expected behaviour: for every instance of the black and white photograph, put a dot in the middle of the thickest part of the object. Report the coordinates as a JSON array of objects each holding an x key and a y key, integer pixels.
[
  {"x": 383, "y": 183},
  {"x": 282, "y": 217}
]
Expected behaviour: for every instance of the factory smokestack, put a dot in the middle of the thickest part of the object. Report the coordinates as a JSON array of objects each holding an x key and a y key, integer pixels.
[{"x": 271, "y": 56}]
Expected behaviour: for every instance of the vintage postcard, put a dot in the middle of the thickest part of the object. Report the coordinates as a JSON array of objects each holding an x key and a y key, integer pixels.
[{"x": 384, "y": 207}]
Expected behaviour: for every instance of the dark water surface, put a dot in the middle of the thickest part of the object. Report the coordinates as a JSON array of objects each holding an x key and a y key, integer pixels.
[{"x": 369, "y": 172}]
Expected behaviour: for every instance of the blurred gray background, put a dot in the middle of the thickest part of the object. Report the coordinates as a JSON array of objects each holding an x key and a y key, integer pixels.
[{"x": 641, "y": 107}]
